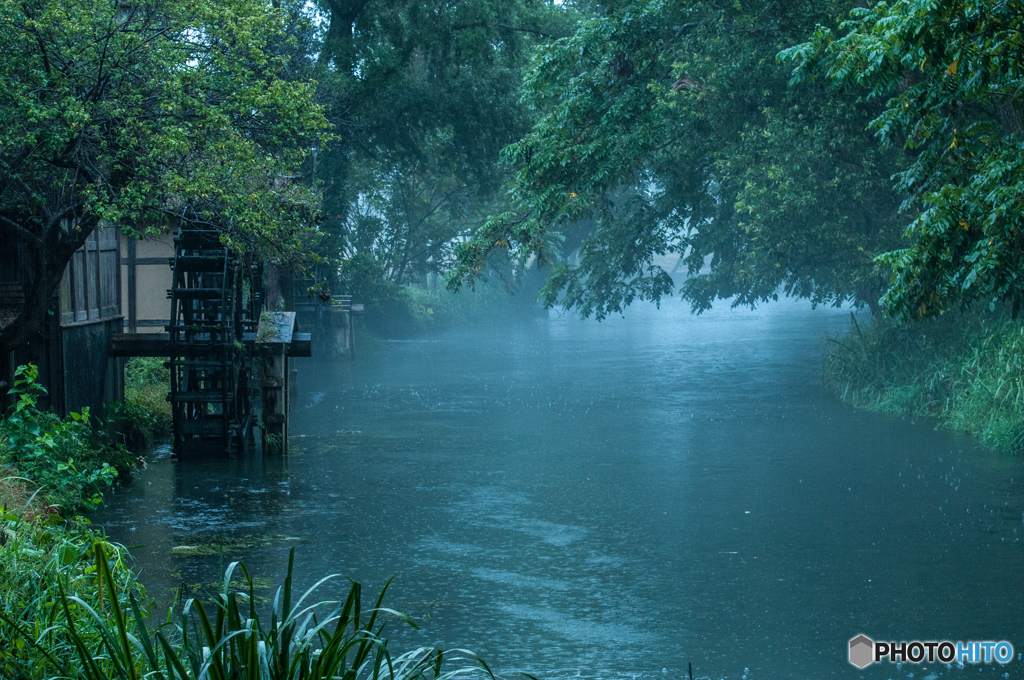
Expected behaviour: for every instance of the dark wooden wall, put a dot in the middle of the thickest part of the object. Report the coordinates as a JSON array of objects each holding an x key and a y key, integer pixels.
[{"x": 73, "y": 350}]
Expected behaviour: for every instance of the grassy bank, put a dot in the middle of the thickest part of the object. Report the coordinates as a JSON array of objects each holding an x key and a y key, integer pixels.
[
  {"x": 52, "y": 470},
  {"x": 966, "y": 370}
]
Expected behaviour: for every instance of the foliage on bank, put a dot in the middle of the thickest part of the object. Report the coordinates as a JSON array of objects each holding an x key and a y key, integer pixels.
[
  {"x": 69, "y": 459},
  {"x": 52, "y": 469},
  {"x": 966, "y": 370},
  {"x": 949, "y": 77},
  {"x": 47, "y": 562},
  {"x": 394, "y": 310}
]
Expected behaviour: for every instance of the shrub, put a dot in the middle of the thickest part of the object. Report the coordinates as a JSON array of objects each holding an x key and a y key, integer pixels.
[
  {"x": 71, "y": 460},
  {"x": 388, "y": 307},
  {"x": 393, "y": 310}
]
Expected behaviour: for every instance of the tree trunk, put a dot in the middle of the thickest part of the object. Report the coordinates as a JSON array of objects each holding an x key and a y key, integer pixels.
[
  {"x": 333, "y": 166},
  {"x": 48, "y": 258},
  {"x": 870, "y": 293}
]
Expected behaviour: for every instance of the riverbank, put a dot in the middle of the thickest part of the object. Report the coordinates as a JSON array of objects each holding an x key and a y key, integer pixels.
[
  {"x": 73, "y": 606},
  {"x": 964, "y": 370},
  {"x": 410, "y": 310},
  {"x": 52, "y": 471}
]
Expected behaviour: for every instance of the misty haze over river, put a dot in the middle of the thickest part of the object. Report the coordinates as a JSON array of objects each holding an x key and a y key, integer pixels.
[{"x": 615, "y": 500}]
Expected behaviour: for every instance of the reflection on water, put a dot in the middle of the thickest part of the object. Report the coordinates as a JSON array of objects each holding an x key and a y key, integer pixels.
[{"x": 615, "y": 500}]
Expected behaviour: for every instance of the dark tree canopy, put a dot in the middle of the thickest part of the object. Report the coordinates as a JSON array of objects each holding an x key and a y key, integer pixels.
[
  {"x": 131, "y": 112},
  {"x": 424, "y": 97},
  {"x": 949, "y": 76},
  {"x": 590, "y": 138},
  {"x": 670, "y": 127}
]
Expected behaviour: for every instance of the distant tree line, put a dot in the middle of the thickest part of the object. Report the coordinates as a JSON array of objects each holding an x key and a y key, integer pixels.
[{"x": 423, "y": 97}]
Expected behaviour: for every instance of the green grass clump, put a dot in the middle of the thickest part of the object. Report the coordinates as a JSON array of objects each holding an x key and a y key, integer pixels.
[
  {"x": 44, "y": 561},
  {"x": 966, "y": 370},
  {"x": 298, "y": 640},
  {"x": 91, "y": 623}
]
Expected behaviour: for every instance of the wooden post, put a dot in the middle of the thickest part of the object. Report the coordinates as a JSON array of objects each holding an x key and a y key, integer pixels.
[
  {"x": 340, "y": 320},
  {"x": 356, "y": 309},
  {"x": 133, "y": 314},
  {"x": 274, "y": 388},
  {"x": 272, "y": 340},
  {"x": 272, "y": 298}
]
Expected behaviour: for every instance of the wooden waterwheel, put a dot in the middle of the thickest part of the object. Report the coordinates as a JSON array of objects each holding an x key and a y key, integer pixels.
[{"x": 210, "y": 388}]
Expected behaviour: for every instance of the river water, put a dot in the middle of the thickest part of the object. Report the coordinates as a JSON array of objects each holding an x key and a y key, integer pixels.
[{"x": 614, "y": 500}]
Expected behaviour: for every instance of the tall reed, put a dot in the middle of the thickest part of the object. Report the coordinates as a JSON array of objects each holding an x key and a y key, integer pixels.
[{"x": 966, "y": 370}]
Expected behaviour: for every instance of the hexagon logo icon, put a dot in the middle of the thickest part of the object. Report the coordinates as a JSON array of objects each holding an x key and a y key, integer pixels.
[{"x": 862, "y": 651}]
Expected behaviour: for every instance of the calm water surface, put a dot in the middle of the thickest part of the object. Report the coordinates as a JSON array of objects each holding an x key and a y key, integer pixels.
[{"x": 615, "y": 500}]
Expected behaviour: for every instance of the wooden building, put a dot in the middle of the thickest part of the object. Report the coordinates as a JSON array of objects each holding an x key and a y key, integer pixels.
[
  {"x": 146, "y": 274},
  {"x": 182, "y": 296},
  {"x": 72, "y": 350}
]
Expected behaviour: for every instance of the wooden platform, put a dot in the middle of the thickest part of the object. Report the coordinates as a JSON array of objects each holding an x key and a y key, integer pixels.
[{"x": 159, "y": 345}]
